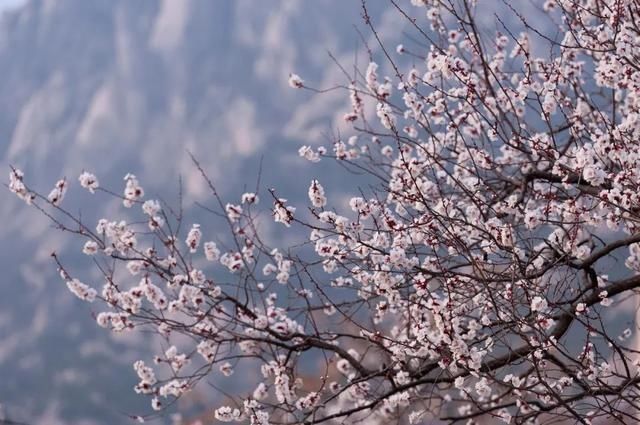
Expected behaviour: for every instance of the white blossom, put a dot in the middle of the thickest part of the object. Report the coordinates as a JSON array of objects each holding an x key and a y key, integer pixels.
[
  {"x": 250, "y": 198},
  {"x": 282, "y": 213},
  {"x": 90, "y": 248},
  {"x": 193, "y": 238},
  {"x": 211, "y": 251},
  {"x": 17, "y": 186},
  {"x": 539, "y": 304},
  {"x": 57, "y": 193},
  {"x": 82, "y": 291},
  {"x": 132, "y": 191},
  {"x": 295, "y": 81},
  {"x": 227, "y": 414},
  {"x": 316, "y": 194},
  {"x": 151, "y": 207},
  {"x": 89, "y": 181},
  {"x": 234, "y": 212}
]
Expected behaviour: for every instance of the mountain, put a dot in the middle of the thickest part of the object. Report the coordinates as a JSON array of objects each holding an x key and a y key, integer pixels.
[{"x": 117, "y": 86}]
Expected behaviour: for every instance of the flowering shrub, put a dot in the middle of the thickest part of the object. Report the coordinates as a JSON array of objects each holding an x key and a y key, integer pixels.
[{"x": 471, "y": 284}]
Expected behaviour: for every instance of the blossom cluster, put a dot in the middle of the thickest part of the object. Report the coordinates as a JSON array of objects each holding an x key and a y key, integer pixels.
[{"x": 472, "y": 280}]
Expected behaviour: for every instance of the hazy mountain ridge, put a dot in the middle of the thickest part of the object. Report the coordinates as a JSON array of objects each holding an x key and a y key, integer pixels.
[{"x": 121, "y": 86}]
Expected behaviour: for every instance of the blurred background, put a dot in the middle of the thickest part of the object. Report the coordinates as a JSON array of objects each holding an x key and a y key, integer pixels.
[{"x": 117, "y": 86}]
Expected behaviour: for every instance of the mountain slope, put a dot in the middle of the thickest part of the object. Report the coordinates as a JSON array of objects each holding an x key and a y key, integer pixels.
[{"x": 119, "y": 86}]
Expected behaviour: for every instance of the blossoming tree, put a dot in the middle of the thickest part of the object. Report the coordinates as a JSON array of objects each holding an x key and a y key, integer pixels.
[{"x": 472, "y": 282}]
